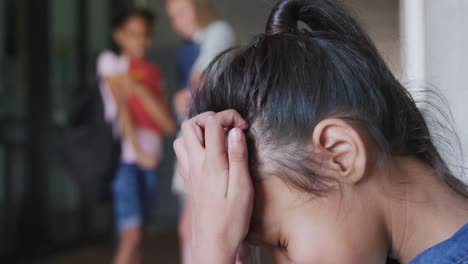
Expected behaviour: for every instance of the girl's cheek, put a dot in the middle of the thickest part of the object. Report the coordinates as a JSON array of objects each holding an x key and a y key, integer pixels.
[
  {"x": 316, "y": 246},
  {"x": 329, "y": 253}
]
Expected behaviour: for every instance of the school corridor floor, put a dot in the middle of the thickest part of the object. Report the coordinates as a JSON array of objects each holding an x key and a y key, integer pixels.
[{"x": 161, "y": 249}]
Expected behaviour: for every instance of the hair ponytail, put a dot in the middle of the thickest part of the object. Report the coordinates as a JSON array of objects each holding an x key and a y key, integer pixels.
[{"x": 317, "y": 15}]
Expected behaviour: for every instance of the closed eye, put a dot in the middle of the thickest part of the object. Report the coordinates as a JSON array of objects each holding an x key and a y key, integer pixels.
[{"x": 281, "y": 246}]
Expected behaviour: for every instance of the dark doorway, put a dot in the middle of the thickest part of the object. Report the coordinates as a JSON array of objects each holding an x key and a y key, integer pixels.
[{"x": 47, "y": 53}]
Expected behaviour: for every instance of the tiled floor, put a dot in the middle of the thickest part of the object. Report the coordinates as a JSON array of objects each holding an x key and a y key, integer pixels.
[{"x": 162, "y": 249}]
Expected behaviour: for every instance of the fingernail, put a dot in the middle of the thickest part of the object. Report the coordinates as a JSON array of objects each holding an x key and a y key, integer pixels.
[{"x": 235, "y": 135}]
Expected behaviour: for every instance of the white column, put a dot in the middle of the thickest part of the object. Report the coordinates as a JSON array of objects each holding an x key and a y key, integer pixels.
[
  {"x": 447, "y": 66},
  {"x": 413, "y": 48}
]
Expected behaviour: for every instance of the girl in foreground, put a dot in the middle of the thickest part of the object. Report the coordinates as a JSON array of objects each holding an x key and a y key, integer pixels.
[{"x": 339, "y": 157}]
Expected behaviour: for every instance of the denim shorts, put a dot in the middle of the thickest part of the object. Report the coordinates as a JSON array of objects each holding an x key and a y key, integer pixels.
[{"x": 134, "y": 195}]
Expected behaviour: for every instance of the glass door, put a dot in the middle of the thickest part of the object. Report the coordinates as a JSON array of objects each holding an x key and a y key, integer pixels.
[
  {"x": 47, "y": 54},
  {"x": 12, "y": 126}
]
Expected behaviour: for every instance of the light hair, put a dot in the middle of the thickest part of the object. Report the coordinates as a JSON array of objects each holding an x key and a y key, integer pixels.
[{"x": 205, "y": 11}]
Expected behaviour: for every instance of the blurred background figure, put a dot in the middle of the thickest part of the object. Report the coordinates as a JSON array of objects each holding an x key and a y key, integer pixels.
[
  {"x": 134, "y": 103},
  {"x": 184, "y": 22},
  {"x": 204, "y": 36},
  {"x": 48, "y": 55},
  {"x": 197, "y": 22}
]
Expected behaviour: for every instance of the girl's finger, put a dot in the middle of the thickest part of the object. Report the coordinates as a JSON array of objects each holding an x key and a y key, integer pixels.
[
  {"x": 182, "y": 157},
  {"x": 227, "y": 119},
  {"x": 216, "y": 153},
  {"x": 193, "y": 143},
  {"x": 239, "y": 175},
  {"x": 200, "y": 120}
]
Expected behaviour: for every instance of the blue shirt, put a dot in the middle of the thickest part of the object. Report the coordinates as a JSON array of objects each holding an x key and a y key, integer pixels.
[
  {"x": 187, "y": 54},
  {"x": 452, "y": 251}
]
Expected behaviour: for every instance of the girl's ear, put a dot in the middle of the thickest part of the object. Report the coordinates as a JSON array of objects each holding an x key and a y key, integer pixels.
[{"x": 342, "y": 148}]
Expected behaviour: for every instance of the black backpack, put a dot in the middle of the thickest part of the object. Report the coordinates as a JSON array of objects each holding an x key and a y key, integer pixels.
[{"x": 91, "y": 152}]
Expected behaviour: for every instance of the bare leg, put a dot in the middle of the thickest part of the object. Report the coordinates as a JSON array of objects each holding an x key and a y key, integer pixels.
[{"x": 130, "y": 249}]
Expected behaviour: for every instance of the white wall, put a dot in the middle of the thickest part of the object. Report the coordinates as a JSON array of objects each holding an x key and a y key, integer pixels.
[
  {"x": 447, "y": 58},
  {"x": 381, "y": 20}
]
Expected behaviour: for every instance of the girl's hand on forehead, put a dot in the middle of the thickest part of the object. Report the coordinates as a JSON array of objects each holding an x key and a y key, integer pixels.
[{"x": 218, "y": 183}]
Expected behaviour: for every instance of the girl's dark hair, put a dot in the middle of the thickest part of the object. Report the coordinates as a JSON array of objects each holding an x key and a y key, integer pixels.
[
  {"x": 315, "y": 62},
  {"x": 121, "y": 17}
]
